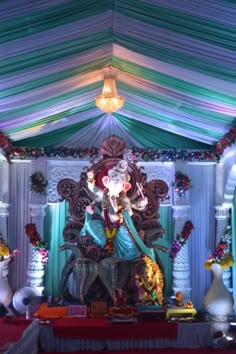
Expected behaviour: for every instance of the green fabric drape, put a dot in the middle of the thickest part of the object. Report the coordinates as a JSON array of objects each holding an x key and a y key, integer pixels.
[
  {"x": 55, "y": 221},
  {"x": 160, "y": 138}
]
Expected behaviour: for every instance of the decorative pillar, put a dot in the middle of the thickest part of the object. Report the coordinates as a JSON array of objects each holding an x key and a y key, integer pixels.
[
  {"x": 181, "y": 268},
  {"x": 222, "y": 217},
  {"x": 222, "y": 220},
  {"x": 35, "y": 272},
  {"x": 4, "y": 213},
  {"x": 6, "y": 292}
]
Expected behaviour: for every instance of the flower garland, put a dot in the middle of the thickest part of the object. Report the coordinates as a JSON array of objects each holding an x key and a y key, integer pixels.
[
  {"x": 135, "y": 154},
  {"x": 227, "y": 140},
  {"x": 110, "y": 229},
  {"x": 34, "y": 238},
  {"x": 181, "y": 184},
  {"x": 38, "y": 183},
  {"x": 221, "y": 254},
  {"x": 181, "y": 239},
  {"x": 5, "y": 144}
]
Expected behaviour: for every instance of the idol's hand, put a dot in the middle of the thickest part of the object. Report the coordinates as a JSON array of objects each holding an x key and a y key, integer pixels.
[
  {"x": 90, "y": 176},
  {"x": 90, "y": 209},
  {"x": 142, "y": 202}
]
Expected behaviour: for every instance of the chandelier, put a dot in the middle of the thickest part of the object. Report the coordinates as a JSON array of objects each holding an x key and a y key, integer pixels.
[{"x": 109, "y": 101}]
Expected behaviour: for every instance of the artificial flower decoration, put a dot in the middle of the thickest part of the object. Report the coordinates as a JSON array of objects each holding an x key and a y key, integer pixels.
[
  {"x": 34, "y": 238},
  {"x": 5, "y": 144},
  {"x": 181, "y": 184},
  {"x": 181, "y": 239},
  {"x": 221, "y": 254},
  {"x": 38, "y": 183},
  {"x": 227, "y": 140},
  {"x": 134, "y": 154}
]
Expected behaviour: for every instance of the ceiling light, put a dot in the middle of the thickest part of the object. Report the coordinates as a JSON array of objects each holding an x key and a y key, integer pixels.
[{"x": 109, "y": 101}]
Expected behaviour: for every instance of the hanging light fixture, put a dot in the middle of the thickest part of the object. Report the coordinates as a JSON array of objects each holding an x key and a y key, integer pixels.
[{"x": 109, "y": 101}]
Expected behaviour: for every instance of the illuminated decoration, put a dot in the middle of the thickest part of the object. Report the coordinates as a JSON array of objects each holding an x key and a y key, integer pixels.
[{"x": 109, "y": 101}]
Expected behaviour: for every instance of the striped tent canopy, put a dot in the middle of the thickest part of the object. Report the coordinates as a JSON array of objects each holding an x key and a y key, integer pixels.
[{"x": 174, "y": 60}]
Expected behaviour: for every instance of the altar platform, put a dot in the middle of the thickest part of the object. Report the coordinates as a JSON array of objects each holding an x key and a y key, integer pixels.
[
  {"x": 18, "y": 335},
  {"x": 99, "y": 334}
]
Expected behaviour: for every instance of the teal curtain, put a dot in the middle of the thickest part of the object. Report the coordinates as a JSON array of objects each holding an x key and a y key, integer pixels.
[
  {"x": 166, "y": 220},
  {"x": 55, "y": 221}
]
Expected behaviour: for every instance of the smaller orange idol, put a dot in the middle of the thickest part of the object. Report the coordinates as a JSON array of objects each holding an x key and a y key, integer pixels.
[{"x": 179, "y": 299}]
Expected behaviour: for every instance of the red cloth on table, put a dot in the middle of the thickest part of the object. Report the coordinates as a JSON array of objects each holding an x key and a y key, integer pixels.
[
  {"x": 12, "y": 329},
  {"x": 101, "y": 329}
]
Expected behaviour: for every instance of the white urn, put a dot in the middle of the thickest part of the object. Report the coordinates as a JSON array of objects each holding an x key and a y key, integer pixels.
[
  {"x": 218, "y": 301},
  {"x": 5, "y": 289}
]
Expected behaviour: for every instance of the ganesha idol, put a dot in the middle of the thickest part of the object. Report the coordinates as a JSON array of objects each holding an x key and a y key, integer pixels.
[
  {"x": 116, "y": 231},
  {"x": 119, "y": 225}
]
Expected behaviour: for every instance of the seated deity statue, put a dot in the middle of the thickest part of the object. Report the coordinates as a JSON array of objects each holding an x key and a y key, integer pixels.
[{"x": 115, "y": 230}]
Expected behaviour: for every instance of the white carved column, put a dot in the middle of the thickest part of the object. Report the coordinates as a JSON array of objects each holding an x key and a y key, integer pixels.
[
  {"x": 35, "y": 271},
  {"x": 6, "y": 292},
  {"x": 222, "y": 221},
  {"x": 4, "y": 195},
  {"x": 4, "y": 219},
  {"x": 181, "y": 268}
]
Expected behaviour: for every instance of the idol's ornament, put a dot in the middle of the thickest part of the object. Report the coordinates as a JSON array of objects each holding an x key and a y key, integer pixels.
[{"x": 218, "y": 300}]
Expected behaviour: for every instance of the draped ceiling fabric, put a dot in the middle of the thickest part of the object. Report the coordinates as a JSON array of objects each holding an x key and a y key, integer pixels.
[{"x": 175, "y": 63}]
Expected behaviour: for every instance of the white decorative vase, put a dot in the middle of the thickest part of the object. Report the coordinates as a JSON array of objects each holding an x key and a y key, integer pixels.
[
  {"x": 35, "y": 271},
  {"x": 5, "y": 289},
  {"x": 218, "y": 301}
]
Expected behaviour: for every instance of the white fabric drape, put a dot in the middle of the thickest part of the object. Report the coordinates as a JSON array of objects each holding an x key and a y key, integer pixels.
[
  {"x": 19, "y": 216},
  {"x": 202, "y": 240}
]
